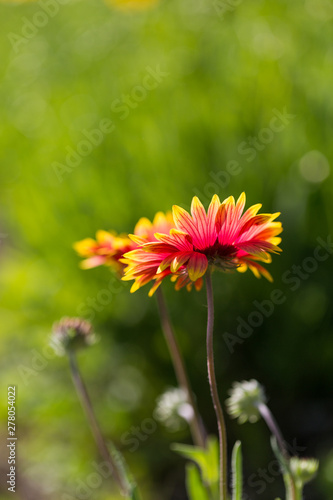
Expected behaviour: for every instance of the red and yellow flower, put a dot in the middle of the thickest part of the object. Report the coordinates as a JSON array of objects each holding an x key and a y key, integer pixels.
[
  {"x": 222, "y": 237},
  {"x": 109, "y": 248}
]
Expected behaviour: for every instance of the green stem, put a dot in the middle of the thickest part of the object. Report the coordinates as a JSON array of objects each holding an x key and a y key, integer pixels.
[
  {"x": 271, "y": 423},
  {"x": 196, "y": 426},
  {"x": 213, "y": 389},
  {"x": 299, "y": 492},
  {"x": 94, "y": 426}
]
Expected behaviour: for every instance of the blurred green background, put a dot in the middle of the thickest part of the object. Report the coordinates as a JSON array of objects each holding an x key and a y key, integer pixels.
[{"x": 224, "y": 70}]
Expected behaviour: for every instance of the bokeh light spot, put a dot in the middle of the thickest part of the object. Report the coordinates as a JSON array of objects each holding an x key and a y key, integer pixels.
[{"x": 314, "y": 167}]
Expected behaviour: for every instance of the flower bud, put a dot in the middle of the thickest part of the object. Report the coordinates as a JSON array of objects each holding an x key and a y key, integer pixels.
[
  {"x": 245, "y": 397},
  {"x": 173, "y": 408},
  {"x": 303, "y": 469},
  {"x": 71, "y": 334}
]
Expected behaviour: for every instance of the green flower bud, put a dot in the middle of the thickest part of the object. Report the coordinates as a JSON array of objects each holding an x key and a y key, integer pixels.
[
  {"x": 303, "y": 469},
  {"x": 245, "y": 397},
  {"x": 71, "y": 334}
]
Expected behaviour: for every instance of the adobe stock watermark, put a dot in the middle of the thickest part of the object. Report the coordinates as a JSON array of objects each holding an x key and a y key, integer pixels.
[
  {"x": 30, "y": 27},
  {"x": 132, "y": 438},
  {"x": 84, "y": 489},
  {"x": 39, "y": 360},
  {"x": 93, "y": 138},
  {"x": 260, "y": 479},
  {"x": 166, "y": 409},
  {"x": 250, "y": 149},
  {"x": 126, "y": 102},
  {"x": 293, "y": 279},
  {"x": 91, "y": 305}
]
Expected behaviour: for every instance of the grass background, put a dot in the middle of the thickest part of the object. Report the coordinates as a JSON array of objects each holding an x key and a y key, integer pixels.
[{"x": 228, "y": 68}]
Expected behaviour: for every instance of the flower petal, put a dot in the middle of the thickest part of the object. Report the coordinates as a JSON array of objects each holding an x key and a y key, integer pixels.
[
  {"x": 181, "y": 281},
  {"x": 200, "y": 219},
  {"x": 139, "y": 240},
  {"x": 185, "y": 223},
  {"x": 197, "y": 266},
  {"x": 162, "y": 223},
  {"x": 158, "y": 247},
  {"x": 154, "y": 288},
  {"x": 221, "y": 216},
  {"x": 143, "y": 227},
  {"x": 259, "y": 271},
  {"x": 158, "y": 282},
  {"x": 179, "y": 260},
  {"x": 211, "y": 219},
  {"x": 85, "y": 247},
  {"x": 240, "y": 204},
  {"x": 257, "y": 220},
  {"x": 176, "y": 238},
  {"x": 198, "y": 284},
  {"x": 165, "y": 263},
  {"x": 104, "y": 237},
  {"x": 97, "y": 260},
  {"x": 250, "y": 212}
]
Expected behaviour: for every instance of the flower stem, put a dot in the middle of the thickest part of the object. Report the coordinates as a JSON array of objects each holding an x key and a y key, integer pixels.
[
  {"x": 271, "y": 423},
  {"x": 94, "y": 426},
  {"x": 213, "y": 388},
  {"x": 196, "y": 425}
]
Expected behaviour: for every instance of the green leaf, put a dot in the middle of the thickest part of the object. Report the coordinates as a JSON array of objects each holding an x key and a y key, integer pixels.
[
  {"x": 237, "y": 479},
  {"x": 194, "y": 487},
  {"x": 206, "y": 459}
]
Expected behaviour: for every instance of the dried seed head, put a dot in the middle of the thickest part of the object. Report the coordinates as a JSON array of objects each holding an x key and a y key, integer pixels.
[
  {"x": 245, "y": 397},
  {"x": 173, "y": 409},
  {"x": 71, "y": 334}
]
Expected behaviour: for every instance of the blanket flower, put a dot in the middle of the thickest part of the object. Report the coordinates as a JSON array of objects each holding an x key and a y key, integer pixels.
[{"x": 223, "y": 237}]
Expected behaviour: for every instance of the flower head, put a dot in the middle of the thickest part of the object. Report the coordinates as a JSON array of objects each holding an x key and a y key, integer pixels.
[
  {"x": 222, "y": 237},
  {"x": 173, "y": 408},
  {"x": 71, "y": 334},
  {"x": 303, "y": 469},
  {"x": 109, "y": 248},
  {"x": 244, "y": 400}
]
